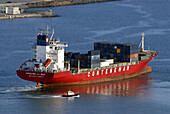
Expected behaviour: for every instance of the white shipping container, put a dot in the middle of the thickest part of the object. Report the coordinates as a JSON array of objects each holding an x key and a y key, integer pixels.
[
  {"x": 111, "y": 61},
  {"x": 103, "y": 64}
]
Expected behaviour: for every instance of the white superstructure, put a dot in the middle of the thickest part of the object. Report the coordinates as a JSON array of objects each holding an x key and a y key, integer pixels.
[{"x": 48, "y": 54}]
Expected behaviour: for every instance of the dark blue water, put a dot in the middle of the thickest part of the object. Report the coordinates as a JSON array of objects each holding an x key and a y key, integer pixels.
[{"x": 81, "y": 26}]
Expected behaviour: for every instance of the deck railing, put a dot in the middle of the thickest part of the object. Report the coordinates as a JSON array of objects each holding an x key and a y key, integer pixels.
[{"x": 81, "y": 71}]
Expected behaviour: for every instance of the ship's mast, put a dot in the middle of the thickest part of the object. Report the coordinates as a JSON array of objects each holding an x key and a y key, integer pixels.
[
  {"x": 47, "y": 29},
  {"x": 143, "y": 41}
]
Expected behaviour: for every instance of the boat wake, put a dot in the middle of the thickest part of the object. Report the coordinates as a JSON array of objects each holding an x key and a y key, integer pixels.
[
  {"x": 45, "y": 97},
  {"x": 162, "y": 60},
  {"x": 138, "y": 9},
  {"x": 40, "y": 96},
  {"x": 17, "y": 89},
  {"x": 165, "y": 84},
  {"x": 26, "y": 92}
]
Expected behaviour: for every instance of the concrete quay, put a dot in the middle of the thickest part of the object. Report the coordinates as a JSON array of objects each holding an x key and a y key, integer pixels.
[{"x": 2, "y": 17}]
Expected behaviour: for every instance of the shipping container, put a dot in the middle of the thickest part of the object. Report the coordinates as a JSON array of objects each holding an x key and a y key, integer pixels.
[
  {"x": 95, "y": 57},
  {"x": 86, "y": 56},
  {"x": 118, "y": 52},
  {"x": 134, "y": 60},
  {"x": 131, "y": 46},
  {"x": 74, "y": 63},
  {"x": 134, "y": 55},
  {"x": 111, "y": 61},
  {"x": 75, "y": 55},
  {"x": 102, "y": 64},
  {"x": 94, "y": 52},
  {"x": 96, "y": 61},
  {"x": 142, "y": 58},
  {"x": 95, "y": 65},
  {"x": 67, "y": 55},
  {"x": 111, "y": 55}
]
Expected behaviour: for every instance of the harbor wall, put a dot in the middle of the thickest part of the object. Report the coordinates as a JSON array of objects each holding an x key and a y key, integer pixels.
[{"x": 25, "y": 16}]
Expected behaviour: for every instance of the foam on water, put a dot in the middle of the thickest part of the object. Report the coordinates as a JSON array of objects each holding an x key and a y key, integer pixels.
[
  {"x": 151, "y": 32},
  {"x": 164, "y": 84},
  {"x": 40, "y": 96},
  {"x": 162, "y": 60},
  {"x": 137, "y": 9},
  {"x": 97, "y": 34},
  {"x": 157, "y": 31},
  {"x": 142, "y": 23},
  {"x": 47, "y": 96},
  {"x": 18, "y": 89},
  {"x": 27, "y": 92}
]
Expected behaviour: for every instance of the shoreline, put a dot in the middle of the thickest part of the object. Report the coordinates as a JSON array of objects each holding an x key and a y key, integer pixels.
[{"x": 44, "y": 4}]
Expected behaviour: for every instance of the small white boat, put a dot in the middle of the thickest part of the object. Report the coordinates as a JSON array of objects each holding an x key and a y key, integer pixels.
[{"x": 71, "y": 94}]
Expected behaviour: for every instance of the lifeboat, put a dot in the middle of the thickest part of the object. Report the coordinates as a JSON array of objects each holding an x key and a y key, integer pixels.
[{"x": 47, "y": 62}]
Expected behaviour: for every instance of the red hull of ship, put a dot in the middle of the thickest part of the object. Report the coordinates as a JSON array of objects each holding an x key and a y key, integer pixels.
[{"x": 66, "y": 78}]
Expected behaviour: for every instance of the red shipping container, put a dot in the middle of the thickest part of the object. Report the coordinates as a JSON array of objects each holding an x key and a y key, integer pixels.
[{"x": 134, "y": 55}]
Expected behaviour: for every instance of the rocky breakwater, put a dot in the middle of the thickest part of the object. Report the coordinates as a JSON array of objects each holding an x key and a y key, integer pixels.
[
  {"x": 29, "y": 14},
  {"x": 56, "y": 3}
]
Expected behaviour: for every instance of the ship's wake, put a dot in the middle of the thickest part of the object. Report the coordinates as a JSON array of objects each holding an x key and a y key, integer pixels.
[
  {"x": 4, "y": 90},
  {"x": 165, "y": 84},
  {"x": 162, "y": 60},
  {"x": 45, "y": 97},
  {"x": 26, "y": 92},
  {"x": 40, "y": 96}
]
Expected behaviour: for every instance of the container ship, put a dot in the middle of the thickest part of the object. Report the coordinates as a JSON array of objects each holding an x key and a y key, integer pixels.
[{"x": 50, "y": 65}]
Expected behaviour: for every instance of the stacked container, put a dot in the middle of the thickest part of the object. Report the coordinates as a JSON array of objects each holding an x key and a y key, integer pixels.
[
  {"x": 72, "y": 57},
  {"x": 90, "y": 60},
  {"x": 142, "y": 58},
  {"x": 132, "y": 50},
  {"x": 84, "y": 61},
  {"x": 94, "y": 58},
  {"x": 118, "y": 52},
  {"x": 106, "y": 62},
  {"x": 74, "y": 63}
]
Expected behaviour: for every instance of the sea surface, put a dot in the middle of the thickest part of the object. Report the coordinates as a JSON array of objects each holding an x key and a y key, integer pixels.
[{"x": 80, "y": 26}]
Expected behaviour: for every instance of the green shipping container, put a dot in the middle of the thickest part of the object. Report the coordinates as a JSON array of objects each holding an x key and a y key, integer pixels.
[{"x": 142, "y": 58}]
